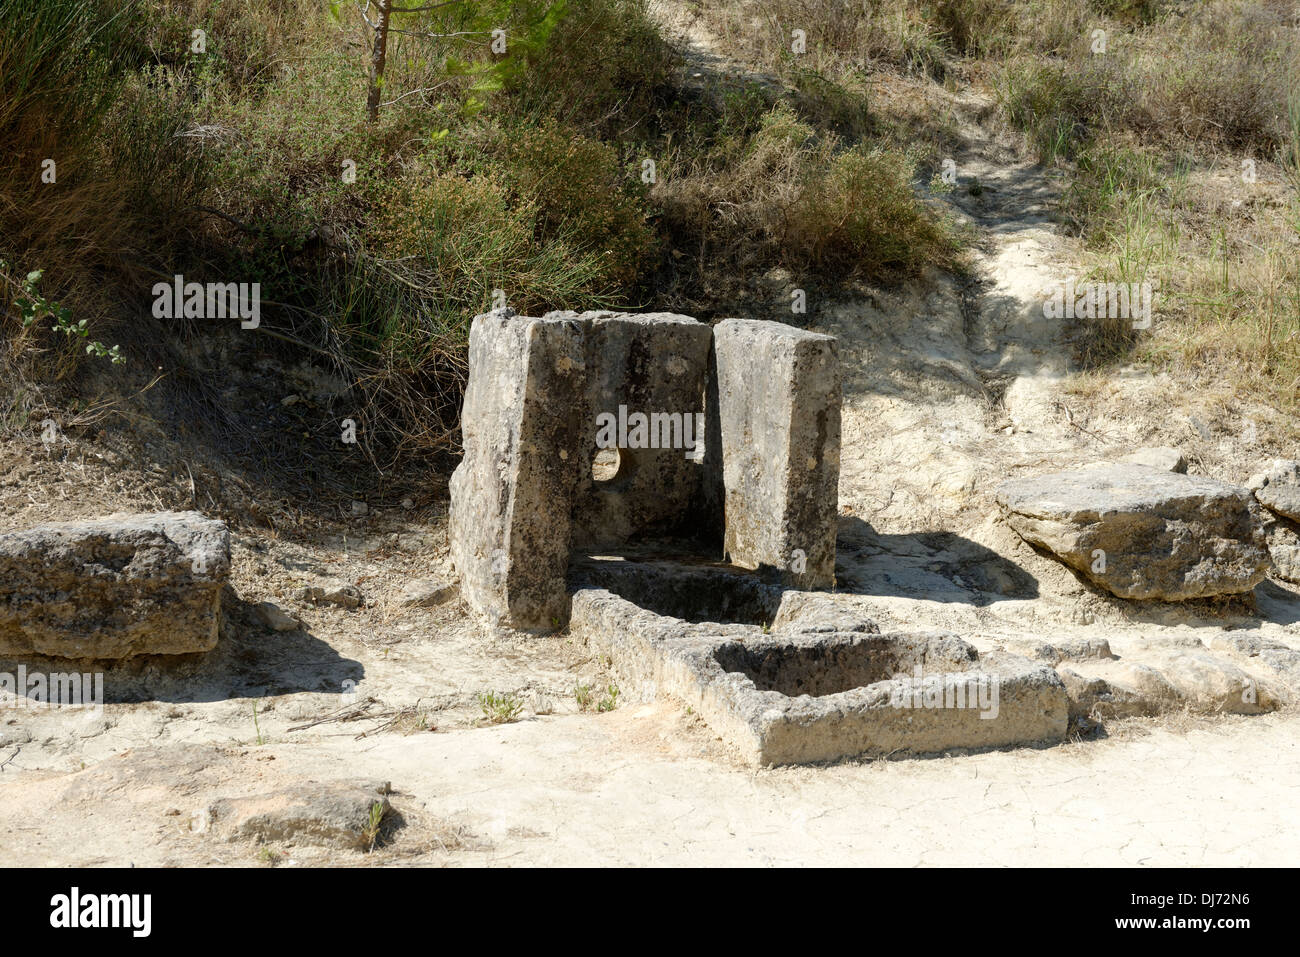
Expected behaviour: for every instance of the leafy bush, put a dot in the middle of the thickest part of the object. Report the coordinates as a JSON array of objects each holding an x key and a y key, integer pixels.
[
  {"x": 459, "y": 239},
  {"x": 581, "y": 194},
  {"x": 786, "y": 196},
  {"x": 605, "y": 70}
]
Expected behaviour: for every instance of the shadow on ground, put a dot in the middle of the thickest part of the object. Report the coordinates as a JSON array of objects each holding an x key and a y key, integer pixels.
[
  {"x": 250, "y": 661},
  {"x": 937, "y": 566}
]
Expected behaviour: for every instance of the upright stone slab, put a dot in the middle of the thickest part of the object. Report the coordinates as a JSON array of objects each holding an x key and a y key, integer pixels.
[
  {"x": 652, "y": 365},
  {"x": 512, "y": 494},
  {"x": 114, "y": 587},
  {"x": 778, "y": 395}
]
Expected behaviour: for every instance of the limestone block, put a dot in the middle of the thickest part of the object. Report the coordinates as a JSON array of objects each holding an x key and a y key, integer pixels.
[
  {"x": 512, "y": 494},
  {"x": 778, "y": 393},
  {"x": 115, "y": 587},
  {"x": 646, "y": 376},
  {"x": 1141, "y": 532}
]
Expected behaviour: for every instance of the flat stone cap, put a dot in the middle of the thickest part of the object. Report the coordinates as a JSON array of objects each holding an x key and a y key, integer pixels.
[
  {"x": 768, "y": 329},
  {"x": 194, "y": 530},
  {"x": 602, "y": 316},
  {"x": 1109, "y": 489}
]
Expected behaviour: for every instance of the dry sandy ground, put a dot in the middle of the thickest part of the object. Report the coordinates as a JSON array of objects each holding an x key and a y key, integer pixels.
[
  {"x": 949, "y": 389},
  {"x": 642, "y": 786}
]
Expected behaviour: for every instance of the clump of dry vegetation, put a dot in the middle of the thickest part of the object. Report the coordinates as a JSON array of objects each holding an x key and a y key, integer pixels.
[
  {"x": 524, "y": 175},
  {"x": 1183, "y": 141},
  {"x": 780, "y": 194},
  {"x": 215, "y": 140},
  {"x": 1176, "y": 122}
]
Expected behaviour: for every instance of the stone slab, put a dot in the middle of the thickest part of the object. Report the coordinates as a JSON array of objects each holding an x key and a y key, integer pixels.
[
  {"x": 123, "y": 585},
  {"x": 1141, "y": 532},
  {"x": 778, "y": 393},
  {"x": 512, "y": 494}
]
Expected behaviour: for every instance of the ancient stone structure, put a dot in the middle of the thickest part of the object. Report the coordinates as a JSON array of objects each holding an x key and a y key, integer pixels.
[
  {"x": 729, "y": 435},
  {"x": 782, "y": 682}
]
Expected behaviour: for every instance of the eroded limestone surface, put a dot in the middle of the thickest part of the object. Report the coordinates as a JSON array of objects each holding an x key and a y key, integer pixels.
[{"x": 114, "y": 587}]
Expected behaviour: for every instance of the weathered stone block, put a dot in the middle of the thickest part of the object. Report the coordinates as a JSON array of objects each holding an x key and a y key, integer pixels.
[
  {"x": 512, "y": 494},
  {"x": 779, "y": 421},
  {"x": 1277, "y": 487},
  {"x": 646, "y": 375},
  {"x": 349, "y": 814},
  {"x": 1140, "y": 532},
  {"x": 917, "y": 694},
  {"x": 114, "y": 587}
]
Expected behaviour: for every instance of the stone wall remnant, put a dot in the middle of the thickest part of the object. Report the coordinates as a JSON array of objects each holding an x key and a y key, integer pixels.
[{"x": 512, "y": 494}]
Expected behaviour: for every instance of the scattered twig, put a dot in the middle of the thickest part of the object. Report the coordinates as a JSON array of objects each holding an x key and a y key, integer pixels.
[
  {"x": 423, "y": 89},
  {"x": 349, "y": 712},
  {"x": 1069, "y": 418},
  {"x": 393, "y": 717}
]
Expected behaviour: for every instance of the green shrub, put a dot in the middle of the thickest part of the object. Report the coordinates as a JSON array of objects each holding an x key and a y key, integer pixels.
[
  {"x": 70, "y": 197},
  {"x": 787, "y": 196},
  {"x": 582, "y": 195},
  {"x": 462, "y": 238},
  {"x": 860, "y": 216},
  {"x": 605, "y": 70}
]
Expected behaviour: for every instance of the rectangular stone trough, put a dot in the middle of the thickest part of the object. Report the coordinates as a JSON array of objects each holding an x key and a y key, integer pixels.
[{"x": 832, "y": 691}]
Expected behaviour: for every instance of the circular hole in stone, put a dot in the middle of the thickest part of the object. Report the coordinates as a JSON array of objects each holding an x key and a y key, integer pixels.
[{"x": 605, "y": 465}]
